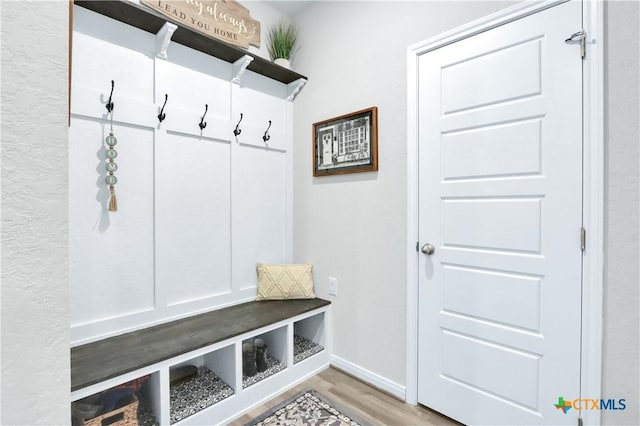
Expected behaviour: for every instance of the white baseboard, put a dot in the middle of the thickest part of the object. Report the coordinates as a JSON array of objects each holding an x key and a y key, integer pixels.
[{"x": 382, "y": 383}]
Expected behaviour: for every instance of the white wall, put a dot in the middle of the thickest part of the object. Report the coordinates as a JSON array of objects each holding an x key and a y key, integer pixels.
[
  {"x": 353, "y": 227},
  {"x": 35, "y": 292},
  {"x": 622, "y": 287}
]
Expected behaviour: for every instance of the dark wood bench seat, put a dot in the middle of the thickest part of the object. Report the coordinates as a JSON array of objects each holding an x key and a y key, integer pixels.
[{"x": 105, "y": 359}]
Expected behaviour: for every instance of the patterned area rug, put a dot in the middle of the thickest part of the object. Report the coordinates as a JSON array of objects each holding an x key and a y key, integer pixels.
[{"x": 307, "y": 408}]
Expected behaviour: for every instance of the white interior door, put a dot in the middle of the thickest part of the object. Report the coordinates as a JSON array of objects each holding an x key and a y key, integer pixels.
[{"x": 500, "y": 181}]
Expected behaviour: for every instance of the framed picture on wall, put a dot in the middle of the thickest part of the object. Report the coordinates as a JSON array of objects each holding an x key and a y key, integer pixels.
[{"x": 346, "y": 144}]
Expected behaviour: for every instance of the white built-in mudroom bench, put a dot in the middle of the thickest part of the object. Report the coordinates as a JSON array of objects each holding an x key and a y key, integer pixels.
[
  {"x": 203, "y": 161},
  {"x": 294, "y": 331}
]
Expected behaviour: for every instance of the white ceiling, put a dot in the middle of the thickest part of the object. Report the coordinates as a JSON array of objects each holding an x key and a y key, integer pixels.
[{"x": 290, "y": 8}]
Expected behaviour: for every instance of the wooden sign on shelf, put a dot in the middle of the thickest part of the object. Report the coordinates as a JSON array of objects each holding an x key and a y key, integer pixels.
[{"x": 226, "y": 20}]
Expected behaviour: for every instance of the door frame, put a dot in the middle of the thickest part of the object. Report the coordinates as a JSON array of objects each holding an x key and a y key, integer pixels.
[{"x": 593, "y": 189}]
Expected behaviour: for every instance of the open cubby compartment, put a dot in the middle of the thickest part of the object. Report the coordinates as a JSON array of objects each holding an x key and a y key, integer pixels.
[
  {"x": 214, "y": 382},
  {"x": 308, "y": 337},
  {"x": 276, "y": 342},
  {"x": 137, "y": 398}
]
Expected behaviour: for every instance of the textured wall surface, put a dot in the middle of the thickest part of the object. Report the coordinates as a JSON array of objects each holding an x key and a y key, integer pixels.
[
  {"x": 35, "y": 294},
  {"x": 353, "y": 227},
  {"x": 622, "y": 237}
]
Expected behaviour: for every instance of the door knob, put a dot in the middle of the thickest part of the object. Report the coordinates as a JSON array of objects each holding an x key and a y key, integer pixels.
[{"x": 428, "y": 249}]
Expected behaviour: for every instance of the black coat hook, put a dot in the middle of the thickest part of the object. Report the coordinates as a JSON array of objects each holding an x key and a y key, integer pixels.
[
  {"x": 266, "y": 135},
  {"x": 237, "y": 130},
  {"x": 202, "y": 122},
  {"x": 109, "y": 103},
  {"x": 162, "y": 115}
]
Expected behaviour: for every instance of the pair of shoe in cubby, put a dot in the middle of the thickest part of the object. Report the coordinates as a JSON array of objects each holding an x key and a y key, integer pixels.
[{"x": 254, "y": 357}]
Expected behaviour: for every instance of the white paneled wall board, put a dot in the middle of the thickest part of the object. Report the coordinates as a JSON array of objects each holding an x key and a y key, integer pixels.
[
  {"x": 111, "y": 255},
  {"x": 121, "y": 51},
  {"x": 260, "y": 102},
  {"x": 193, "y": 79},
  {"x": 260, "y": 199},
  {"x": 198, "y": 207},
  {"x": 193, "y": 218}
]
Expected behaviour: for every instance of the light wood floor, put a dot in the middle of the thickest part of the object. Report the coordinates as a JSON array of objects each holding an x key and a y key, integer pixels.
[{"x": 368, "y": 403}]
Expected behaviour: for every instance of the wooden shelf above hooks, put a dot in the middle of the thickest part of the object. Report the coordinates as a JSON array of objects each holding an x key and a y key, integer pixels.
[{"x": 146, "y": 19}]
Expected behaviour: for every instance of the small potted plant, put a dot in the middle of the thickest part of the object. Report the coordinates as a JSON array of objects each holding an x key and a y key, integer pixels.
[{"x": 282, "y": 42}]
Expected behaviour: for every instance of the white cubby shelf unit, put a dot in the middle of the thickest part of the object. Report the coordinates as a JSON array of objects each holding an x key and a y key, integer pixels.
[{"x": 220, "y": 392}]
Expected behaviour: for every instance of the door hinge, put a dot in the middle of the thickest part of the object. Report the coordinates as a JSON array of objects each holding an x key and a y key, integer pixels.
[
  {"x": 583, "y": 238},
  {"x": 579, "y": 421},
  {"x": 579, "y": 37},
  {"x": 417, "y": 245}
]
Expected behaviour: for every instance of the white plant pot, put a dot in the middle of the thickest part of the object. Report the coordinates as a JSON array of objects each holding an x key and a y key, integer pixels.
[{"x": 283, "y": 63}]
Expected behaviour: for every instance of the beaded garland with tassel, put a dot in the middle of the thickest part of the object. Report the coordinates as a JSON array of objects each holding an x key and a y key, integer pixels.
[{"x": 111, "y": 167}]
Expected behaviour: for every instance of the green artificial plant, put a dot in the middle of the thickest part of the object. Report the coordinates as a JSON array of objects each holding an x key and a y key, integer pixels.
[{"x": 282, "y": 41}]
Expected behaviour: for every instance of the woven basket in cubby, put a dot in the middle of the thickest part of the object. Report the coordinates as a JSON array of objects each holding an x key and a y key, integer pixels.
[{"x": 126, "y": 415}]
